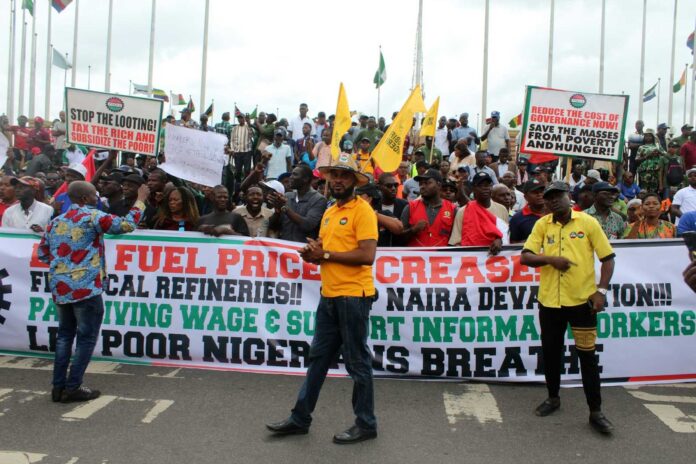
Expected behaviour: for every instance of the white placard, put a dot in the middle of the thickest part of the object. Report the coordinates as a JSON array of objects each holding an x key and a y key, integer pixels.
[
  {"x": 4, "y": 145},
  {"x": 194, "y": 155},
  {"x": 112, "y": 121}
]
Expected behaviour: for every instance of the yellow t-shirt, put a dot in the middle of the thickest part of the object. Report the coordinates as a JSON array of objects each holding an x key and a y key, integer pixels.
[
  {"x": 364, "y": 162},
  {"x": 579, "y": 240},
  {"x": 342, "y": 227}
]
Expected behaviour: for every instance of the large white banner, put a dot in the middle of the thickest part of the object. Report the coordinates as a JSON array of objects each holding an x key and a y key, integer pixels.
[
  {"x": 569, "y": 123},
  {"x": 245, "y": 304},
  {"x": 194, "y": 155},
  {"x": 112, "y": 121}
]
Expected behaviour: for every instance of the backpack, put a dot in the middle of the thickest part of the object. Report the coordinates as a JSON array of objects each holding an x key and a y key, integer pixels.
[{"x": 674, "y": 173}]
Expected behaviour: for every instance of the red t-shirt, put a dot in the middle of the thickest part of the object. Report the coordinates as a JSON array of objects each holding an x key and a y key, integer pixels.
[{"x": 688, "y": 153}]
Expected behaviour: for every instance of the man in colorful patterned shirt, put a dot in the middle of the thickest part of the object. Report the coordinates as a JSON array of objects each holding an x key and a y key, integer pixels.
[{"x": 73, "y": 247}]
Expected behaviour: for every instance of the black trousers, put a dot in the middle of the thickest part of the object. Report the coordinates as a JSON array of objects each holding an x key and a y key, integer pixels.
[
  {"x": 242, "y": 165},
  {"x": 583, "y": 322}
]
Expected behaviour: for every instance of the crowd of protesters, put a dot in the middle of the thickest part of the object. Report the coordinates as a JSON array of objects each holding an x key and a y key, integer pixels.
[{"x": 457, "y": 188}]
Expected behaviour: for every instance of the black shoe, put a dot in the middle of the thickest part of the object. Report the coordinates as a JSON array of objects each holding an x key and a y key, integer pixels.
[
  {"x": 547, "y": 407},
  {"x": 56, "y": 394},
  {"x": 287, "y": 427},
  {"x": 600, "y": 423},
  {"x": 354, "y": 435},
  {"x": 79, "y": 394}
]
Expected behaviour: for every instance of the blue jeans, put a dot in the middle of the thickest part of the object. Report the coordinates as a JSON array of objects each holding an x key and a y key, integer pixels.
[
  {"x": 83, "y": 319},
  {"x": 341, "y": 322}
]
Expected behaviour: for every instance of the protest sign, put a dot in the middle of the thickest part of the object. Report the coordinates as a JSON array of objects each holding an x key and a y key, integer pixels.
[
  {"x": 111, "y": 121},
  {"x": 194, "y": 155},
  {"x": 239, "y": 303},
  {"x": 4, "y": 145},
  {"x": 567, "y": 123}
]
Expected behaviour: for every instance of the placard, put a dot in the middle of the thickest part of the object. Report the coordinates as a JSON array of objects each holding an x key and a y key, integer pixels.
[
  {"x": 112, "y": 121},
  {"x": 578, "y": 124},
  {"x": 194, "y": 155}
]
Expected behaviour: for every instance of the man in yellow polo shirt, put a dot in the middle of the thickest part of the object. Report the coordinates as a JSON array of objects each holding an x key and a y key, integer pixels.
[
  {"x": 345, "y": 250},
  {"x": 564, "y": 244}
]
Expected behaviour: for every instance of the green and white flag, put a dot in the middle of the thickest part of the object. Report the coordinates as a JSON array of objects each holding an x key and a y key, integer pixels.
[
  {"x": 381, "y": 73},
  {"x": 29, "y": 6}
]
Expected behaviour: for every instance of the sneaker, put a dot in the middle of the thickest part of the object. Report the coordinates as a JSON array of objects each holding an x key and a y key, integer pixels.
[
  {"x": 547, "y": 407},
  {"x": 56, "y": 394},
  {"x": 600, "y": 423},
  {"x": 79, "y": 394}
]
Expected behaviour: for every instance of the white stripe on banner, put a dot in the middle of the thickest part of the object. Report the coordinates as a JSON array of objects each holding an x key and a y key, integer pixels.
[{"x": 231, "y": 303}]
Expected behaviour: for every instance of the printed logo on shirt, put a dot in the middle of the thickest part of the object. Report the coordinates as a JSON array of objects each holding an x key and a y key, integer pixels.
[
  {"x": 447, "y": 214},
  {"x": 326, "y": 221},
  {"x": 579, "y": 234},
  {"x": 550, "y": 240},
  {"x": 343, "y": 221}
]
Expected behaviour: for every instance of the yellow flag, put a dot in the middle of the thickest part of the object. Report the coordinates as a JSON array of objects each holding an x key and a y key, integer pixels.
[
  {"x": 387, "y": 153},
  {"x": 341, "y": 123},
  {"x": 430, "y": 121}
]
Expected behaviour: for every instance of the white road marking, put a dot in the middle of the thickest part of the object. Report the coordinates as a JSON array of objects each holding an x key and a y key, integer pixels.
[
  {"x": 159, "y": 407},
  {"x": 662, "y": 398},
  {"x": 476, "y": 402},
  {"x": 86, "y": 410},
  {"x": 169, "y": 375},
  {"x": 20, "y": 457},
  {"x": 673, "y": 417}
]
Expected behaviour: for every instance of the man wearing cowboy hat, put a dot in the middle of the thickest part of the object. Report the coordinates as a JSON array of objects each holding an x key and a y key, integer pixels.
[
  {"x": 346, "y": 250},
  {"x": 28, "y": 213}
]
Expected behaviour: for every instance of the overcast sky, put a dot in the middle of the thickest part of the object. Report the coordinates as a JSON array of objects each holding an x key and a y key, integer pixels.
[{"x": 276, "y": 54}]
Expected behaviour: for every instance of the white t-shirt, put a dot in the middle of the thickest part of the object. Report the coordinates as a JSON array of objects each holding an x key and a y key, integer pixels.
[
  {"x": 277, "y": 164},
  {"x": 60, "y": 140},
  {"x": 497, "y": 139},
  {"x": 441, "y": 140},
  {"x": 39, "y": 214},
  {"x": 296, "y": 127},
  {"x": 685, "y": 199}
]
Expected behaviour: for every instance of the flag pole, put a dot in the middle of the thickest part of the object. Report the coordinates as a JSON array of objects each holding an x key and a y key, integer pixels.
[
  {"x": 379, "y": 86},
  {"x": 670, "y": 100},
  {"x": 89, "y": 77},
  {"x": 107, "y": 70},
  {"x": 32, "y": 66},
  {"x": 73, "y": 78},
  {"x": 204, "y": 64},
  {"x": 22, "y": 65},
  {"x": 642, "y": 64},
  {"x": 686, "y": 90},
  {"x": 658, "y": 103},
  {"x": 601, "y": 48},
  {"x": 49, "y": 65},
  {"x": 484, "y": 90},
  {"x": 693, "y": 78},
  {"x": 152, "y": 49},
  {"x": 65, "y": 80},
  {"x": 10, "y": 64},
  {"x": 549, "y": 69}
]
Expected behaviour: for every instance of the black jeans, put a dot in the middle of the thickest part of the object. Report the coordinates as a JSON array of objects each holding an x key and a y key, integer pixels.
[
  {"x": 242, "y": 165},
  {"x": 583, "y": 322},
  {"x": 342, "y": 323}
]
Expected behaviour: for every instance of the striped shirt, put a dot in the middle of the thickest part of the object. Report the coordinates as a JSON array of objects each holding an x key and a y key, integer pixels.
[{"x": 240, "y": 139}]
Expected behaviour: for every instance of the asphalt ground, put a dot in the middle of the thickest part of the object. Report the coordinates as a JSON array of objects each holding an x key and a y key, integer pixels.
[{"x": 165, "y": 415}]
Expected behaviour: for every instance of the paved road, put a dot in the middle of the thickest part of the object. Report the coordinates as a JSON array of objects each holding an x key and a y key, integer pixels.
[{"x": 164, "y": 415}]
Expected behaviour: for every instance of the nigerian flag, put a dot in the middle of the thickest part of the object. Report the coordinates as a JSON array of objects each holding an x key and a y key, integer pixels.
[
  {"x": 381, "y": 73},
  {"x": 29, "y": 6}
]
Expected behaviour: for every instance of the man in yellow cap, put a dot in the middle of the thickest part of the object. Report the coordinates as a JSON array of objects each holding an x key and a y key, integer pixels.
[{"x": 346, "y": 250}]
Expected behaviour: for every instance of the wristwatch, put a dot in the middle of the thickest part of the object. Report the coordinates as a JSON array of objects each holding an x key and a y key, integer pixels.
[
  {"x": 326, "y": 256},
  {"x": 603, "y": 291},
  {"x": 284, "y": 209}
]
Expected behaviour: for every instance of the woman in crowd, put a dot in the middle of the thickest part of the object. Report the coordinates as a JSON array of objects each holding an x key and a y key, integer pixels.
[
  {"x": 461, "y": 156},
  {"x": 177, "y": 211},
  {"x": 650, "y": 225}
]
